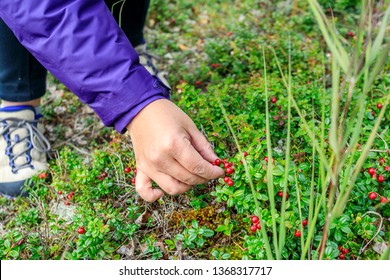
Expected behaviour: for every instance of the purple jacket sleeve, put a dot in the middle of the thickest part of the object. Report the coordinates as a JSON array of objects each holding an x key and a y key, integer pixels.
[{"x": 80, "y": 43}]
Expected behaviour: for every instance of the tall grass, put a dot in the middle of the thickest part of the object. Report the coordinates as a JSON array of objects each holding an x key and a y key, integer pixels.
[
  {"x": 362, "y": 66},
  {"x": 338, "y": 170}
]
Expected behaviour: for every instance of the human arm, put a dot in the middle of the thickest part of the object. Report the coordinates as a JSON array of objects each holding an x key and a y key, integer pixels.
[{"x": 80, "y": 43}]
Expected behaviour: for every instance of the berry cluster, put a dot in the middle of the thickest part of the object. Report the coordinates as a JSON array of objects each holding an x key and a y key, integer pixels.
[
  {"x": 68, "y": 198},
  {"x": 128, "y": 170},
  {"x": 343, "y": 252},
  {"x": 255, "y": 224},
  {"x": 380, "y": 178},
  {"x": 42, "y": 175},
  {"x": 103, "y": 176},
  {"x": 374, "y": 195},
  {"x": 350, "y": 34},
  {"x": 228, "y": 169},
  {"x": 280, "y": 193}
]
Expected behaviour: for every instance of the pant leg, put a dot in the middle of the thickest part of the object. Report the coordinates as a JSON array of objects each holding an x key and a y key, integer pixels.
[
  {"x": 131, "y": 15},
  {"x": 22, "y": 77}
]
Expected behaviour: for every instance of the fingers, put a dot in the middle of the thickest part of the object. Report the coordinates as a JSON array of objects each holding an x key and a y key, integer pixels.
[
  {"x": 189, "y": 157},
  {"x": 177, "y": 171},
  {"x": 143, "y": 186}
]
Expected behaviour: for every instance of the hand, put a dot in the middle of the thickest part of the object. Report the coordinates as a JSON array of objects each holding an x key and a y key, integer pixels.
[{"x": 169, "y": 150}]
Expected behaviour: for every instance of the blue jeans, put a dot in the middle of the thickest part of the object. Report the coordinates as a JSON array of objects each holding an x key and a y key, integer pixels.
[{"x": 23, "y": 78}]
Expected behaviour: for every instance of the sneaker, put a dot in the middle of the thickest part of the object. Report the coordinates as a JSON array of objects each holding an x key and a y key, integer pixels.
[
  {"x": 148, "y": 61},
  {"x": 23, "y": 148}
]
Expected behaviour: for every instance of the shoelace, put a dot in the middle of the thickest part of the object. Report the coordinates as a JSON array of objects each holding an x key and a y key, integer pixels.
[
  {"x": 149, "y": 60},
  {"x": 34, "y": 138}
]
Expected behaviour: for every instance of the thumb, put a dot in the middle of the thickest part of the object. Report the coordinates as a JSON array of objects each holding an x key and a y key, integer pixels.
[{"x": 143, "y": 185}]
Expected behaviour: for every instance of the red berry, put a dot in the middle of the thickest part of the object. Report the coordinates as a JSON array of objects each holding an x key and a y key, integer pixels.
[
  {"x": 71, "y": 193},
  {"x": 70, "y": 196},
  {"x": 383, "y": 199},
  {"x": 230, "y": 183},
  {"x": 67, "y": 203},
  {"x": 226, "y": 165},
  {"x": 382, "y": 161},
  {"x": 133, "y": 181},
  {"x": 372, "y": 195},
  {"x": 135, "y": 171},
  {"x": 266, "y": 159},
  {"x": 379, "y": 105},
  {"x": 253, "y": 228},
  {"x": 258, "y": 226},
  {"x": 371, "y": 170},
  {"x": 280, "y": 193},
  {"x": 351, "y": 34},
  {"x": 380, "y": 178},
  {"x": 344, "y": 251},
  {"x": 215, "y": 65},
  {"x": 273, "y": 99},
  {"x": 227, "y": 179},
  {"x": 387, "y": 168},
  {"x": 342, "y": 257},
  {"x": 217, "y": 162},
  {"x": 255, "y": 219},
  {"x": 127, "y": 170},
  {"x": 42, "y": 176},
  {"x": 246, "y": 154},
  {"x": 297, "y": 233},
  {"x": 229, "y": 170},
  {"x": 81, "y": 230},
  {"x": 59, "y": 192},
  {"x": 304, "y": 222}
]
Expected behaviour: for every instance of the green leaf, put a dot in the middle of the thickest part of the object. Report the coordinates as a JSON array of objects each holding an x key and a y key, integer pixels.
[
  {"x": 226, "y": 256},
  {"x": 14, "y": 254},
  {"x": 208, "y": 232},
  {"x": 88, "y": 242},
  {"x": 200, "y": 242},
  {"x": 179, "y": 237},
  {"x": 169, "y": 242},
  {"x": 230, "y": 202},
  {"x": 191, "y": 238},
  {"x": 221, "y": 228},
  {"x": 346, "y": 229},
  {"x": 195, "y": 224},
  {"x": 238, "y": 193},
  {"x": 338, "y": 235}
]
